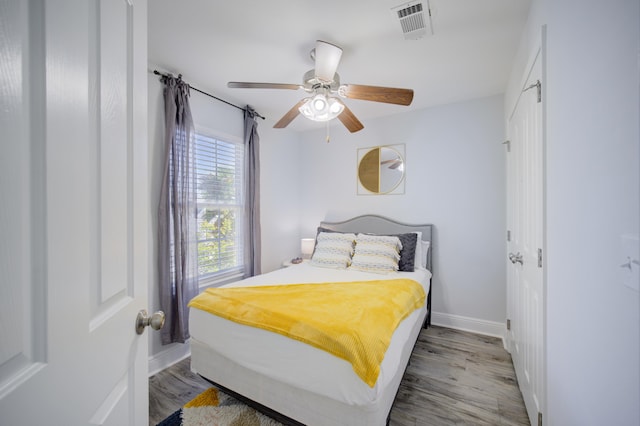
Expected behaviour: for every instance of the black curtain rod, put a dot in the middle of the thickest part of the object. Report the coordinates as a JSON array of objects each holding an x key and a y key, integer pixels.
[{"x": 156, "y": 72}]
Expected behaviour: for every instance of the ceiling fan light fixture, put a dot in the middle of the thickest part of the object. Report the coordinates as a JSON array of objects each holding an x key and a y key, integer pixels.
[
  {"x": 321, "y": 108},
  {"x": 335, "y": 107},
  {"x": 319, "y": 104}
]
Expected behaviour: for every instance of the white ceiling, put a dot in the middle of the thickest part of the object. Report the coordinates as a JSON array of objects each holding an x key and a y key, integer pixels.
[{"x": 212, "y": 42}]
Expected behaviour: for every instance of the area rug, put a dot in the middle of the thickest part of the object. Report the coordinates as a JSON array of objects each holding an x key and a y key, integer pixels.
[{"x": 215, "y": 408}]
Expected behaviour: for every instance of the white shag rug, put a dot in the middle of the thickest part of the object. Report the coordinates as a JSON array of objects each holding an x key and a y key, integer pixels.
[{"x": 215, "y": 408}]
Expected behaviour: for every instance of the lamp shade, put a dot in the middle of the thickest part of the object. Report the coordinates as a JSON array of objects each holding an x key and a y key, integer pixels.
[{"x": 306, "y": 247}]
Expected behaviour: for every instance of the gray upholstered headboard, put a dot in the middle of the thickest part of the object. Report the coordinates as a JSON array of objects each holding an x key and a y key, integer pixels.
[{"x": 381, "y": 225}]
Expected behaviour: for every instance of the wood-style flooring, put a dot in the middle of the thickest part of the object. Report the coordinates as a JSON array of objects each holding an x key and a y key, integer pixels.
[{"x": 454, "y": 378}]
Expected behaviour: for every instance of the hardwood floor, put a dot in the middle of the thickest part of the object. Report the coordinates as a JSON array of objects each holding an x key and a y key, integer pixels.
[
  {"x": 171, "y": 388},
  {"x": 454, "y": 378}
]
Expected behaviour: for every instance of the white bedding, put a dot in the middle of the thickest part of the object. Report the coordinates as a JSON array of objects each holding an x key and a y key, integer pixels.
[{"x": 293, "y": 363}]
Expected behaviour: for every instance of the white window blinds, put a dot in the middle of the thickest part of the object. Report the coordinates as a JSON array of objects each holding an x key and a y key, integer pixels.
[{"x": 220, "y": 200}]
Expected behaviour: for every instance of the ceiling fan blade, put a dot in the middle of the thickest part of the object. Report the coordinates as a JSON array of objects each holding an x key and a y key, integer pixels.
[
  {"x": 289, "y": 116},
  {"x": 389, "y": 95},
  {"x": 327, "y": 58},
  {"x": 350, "y": 121},
  {"x": 248, "y": 85}
]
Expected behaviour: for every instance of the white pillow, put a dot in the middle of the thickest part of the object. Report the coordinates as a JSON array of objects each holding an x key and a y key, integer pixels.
[
  {"x": 333, "y": 250},
  {"x": 421, "y": 252},
  {"x": 425, "y": 249},
  {"x": 380, "y": 239},
  {"x": 376, "y": 253}
]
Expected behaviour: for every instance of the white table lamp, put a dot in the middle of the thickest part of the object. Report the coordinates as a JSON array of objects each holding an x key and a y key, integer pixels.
[{"x": 306, "y": 247}]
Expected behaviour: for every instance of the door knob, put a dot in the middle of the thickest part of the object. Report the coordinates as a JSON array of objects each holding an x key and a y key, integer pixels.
[
  {"x": 515, "y": 258},
  {"x": 156, "y": 321}
]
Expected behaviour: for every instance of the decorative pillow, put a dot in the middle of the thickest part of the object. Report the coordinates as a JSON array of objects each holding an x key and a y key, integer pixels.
[
  {"x": 421, "y": 253},
  {"x": 408, "y": 253},
  {"x": 408, "y": 250},
  {"x": 391, "y": 240},
  {"x": 376, "y": 253},
  {"x": 409, "y": 258},
  {"x": 417, "y": 263},
  {"x": 319, "y": 231},
  {"x": 333, "y": 250}
]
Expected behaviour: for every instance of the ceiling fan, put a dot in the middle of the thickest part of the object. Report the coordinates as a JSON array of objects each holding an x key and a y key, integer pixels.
[{"x": 323, "y": 83}]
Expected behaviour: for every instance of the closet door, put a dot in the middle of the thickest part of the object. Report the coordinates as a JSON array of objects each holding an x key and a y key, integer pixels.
[
  {"x": 74, "y": 212},
  {"x": 525, "y": 289}
]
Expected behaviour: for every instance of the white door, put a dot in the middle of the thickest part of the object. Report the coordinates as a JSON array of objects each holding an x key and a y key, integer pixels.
[
  {"x": 73, "y": 212},
  {"x": 525, "y": 295}
]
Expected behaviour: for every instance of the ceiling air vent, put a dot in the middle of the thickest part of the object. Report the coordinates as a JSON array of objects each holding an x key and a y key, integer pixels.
[{"x": 412, "y": 20}]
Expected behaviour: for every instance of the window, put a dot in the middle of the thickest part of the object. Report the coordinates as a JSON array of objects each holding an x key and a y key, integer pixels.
[{"x": 220, "y": 204}]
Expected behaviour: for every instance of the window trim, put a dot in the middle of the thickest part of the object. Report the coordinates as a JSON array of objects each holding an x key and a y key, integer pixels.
[{"x": 222, "y": 278}]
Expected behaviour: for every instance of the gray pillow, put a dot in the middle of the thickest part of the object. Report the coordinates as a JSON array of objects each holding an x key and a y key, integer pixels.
[{"x": 408, "y": 252}]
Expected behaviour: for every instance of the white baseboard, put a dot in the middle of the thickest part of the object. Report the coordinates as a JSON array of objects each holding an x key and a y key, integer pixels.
[
  {"x": 474, "y": 325},
  {"x": 175, "y": 353}
]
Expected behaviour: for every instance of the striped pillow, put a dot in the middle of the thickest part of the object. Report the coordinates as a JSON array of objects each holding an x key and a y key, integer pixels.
[
  {"x": 376, "y": 253},
  {"x": 333, "y": 250}
]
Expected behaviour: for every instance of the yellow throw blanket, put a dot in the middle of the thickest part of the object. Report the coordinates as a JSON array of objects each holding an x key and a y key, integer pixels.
[{"x": 351, "y": 320}]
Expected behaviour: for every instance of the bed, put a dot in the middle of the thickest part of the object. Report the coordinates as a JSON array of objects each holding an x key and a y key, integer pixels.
[{"x": 294, "y": 382}]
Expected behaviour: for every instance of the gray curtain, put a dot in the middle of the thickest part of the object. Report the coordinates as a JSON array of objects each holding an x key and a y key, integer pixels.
[
  {"x": 252, "y": 250},
  {"x": 177, "y": 233}
]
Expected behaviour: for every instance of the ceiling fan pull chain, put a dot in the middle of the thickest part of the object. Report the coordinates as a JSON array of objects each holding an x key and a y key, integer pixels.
[{"x": 328, "y": 136}]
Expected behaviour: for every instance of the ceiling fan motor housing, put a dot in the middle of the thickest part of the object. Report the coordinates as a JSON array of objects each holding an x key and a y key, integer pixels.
[{"x": 311, "y": 82}]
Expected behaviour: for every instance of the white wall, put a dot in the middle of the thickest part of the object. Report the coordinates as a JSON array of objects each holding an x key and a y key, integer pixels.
[
  {"x": 455, "y": 179},
  {"x": 280, "y": 197},
  {"x": 593, "y": 188}
]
